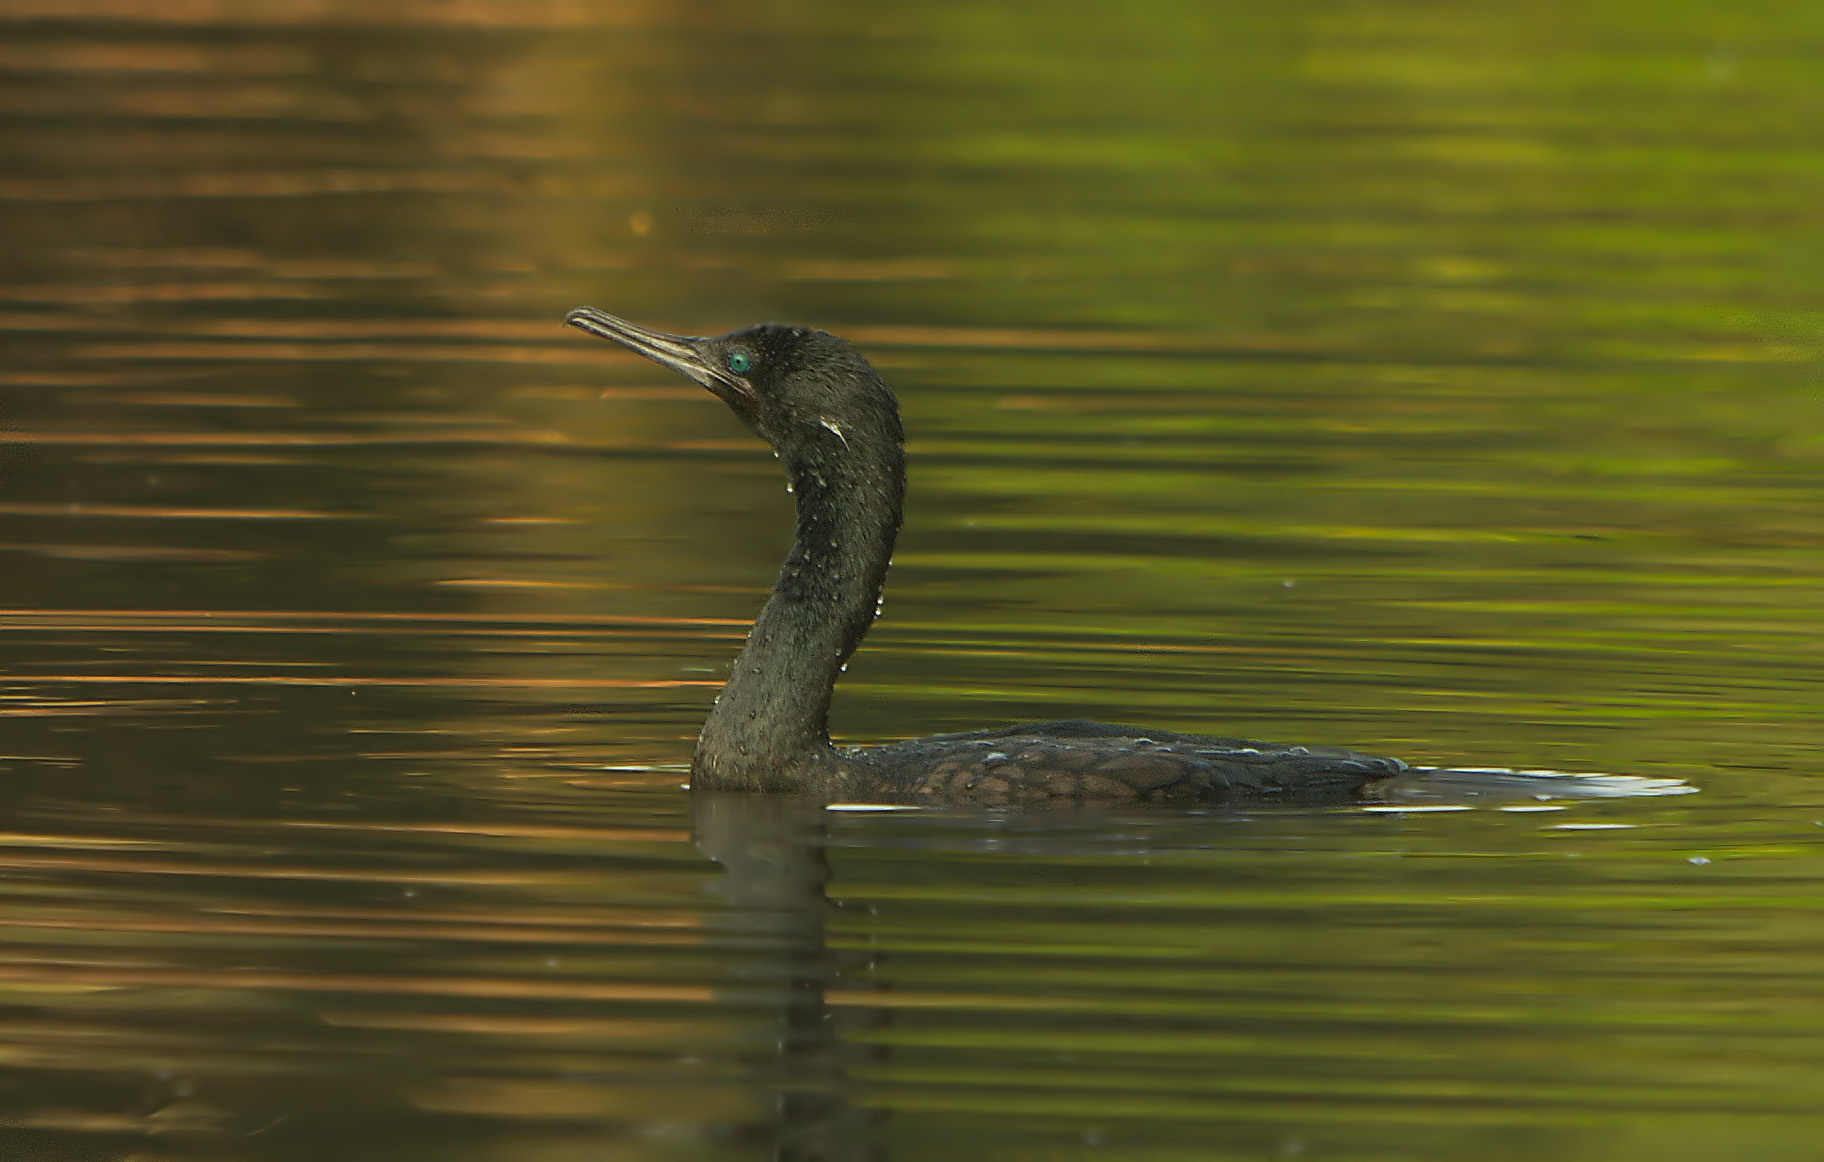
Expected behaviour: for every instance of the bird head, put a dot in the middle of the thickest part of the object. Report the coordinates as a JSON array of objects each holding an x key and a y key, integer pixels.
[{"x": 794, "y": 386}]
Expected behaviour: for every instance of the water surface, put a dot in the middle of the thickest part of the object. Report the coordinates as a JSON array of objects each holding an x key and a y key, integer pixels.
[{"x": 1439, "y": 382}]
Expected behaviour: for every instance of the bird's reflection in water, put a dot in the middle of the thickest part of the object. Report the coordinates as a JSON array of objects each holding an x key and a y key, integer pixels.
[{"x": 771, "y": 849}]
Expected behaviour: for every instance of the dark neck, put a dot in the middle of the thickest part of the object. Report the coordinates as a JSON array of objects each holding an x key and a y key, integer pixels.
[{"x": 770, "y": 726}]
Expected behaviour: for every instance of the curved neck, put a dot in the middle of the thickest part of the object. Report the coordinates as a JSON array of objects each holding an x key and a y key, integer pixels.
[{"x": 769, "y": 730}]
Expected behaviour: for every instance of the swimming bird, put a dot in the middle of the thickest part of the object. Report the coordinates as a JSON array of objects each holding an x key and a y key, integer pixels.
[{"x": 836, "y": 428}]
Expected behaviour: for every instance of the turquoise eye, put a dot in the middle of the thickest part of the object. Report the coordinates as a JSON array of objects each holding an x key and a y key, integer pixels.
[{"x": 739, "y": 362}]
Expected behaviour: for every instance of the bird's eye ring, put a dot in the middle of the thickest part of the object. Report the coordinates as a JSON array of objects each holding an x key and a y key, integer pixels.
[{"x": 739, "y": 362}]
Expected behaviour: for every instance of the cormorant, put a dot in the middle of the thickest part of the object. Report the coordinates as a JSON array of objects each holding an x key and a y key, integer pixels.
[{"x": 835, "y": 426}]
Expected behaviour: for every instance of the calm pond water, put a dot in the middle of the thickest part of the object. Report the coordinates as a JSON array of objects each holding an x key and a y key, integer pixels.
[{"x": 1442, "y": 381}]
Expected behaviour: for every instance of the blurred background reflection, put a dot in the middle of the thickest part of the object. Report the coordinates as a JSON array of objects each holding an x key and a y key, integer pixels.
[{"x": 1438, "y": 380}]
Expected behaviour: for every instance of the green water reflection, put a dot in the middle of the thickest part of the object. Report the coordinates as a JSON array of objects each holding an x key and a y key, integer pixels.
[{"x": 1440, "y": 380}]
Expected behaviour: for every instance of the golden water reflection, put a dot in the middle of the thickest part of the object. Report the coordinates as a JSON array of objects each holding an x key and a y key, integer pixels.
[{"x": 1441, "y": 382}]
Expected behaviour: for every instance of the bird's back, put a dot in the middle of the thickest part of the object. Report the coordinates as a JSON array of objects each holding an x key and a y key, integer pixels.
[{"x": 1079, "y": 761}]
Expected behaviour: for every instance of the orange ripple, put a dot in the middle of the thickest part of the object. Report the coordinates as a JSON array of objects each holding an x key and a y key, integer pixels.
[
  {"x": 990, "y": 338},
  {"x": 78, "y": 508},
  {"x": 497, "y": 830},
  {"x": 298, "y": 352},
  {"x": 499, "y": 1025},
  {"x": 903, "y": 335},
  {"x": 63, "y": 974},
  {"x": 250, "y": 184},
  {"x": 338, "y": 683},
  {"x": 170, "y": 292},
  {"x": 289, "y": 439},
  {"x": 233, "y": 618},
  {"x": 496, "y": 14},
  {"x": 392, "y": 927},
  {"x": 68, "y": 552}
]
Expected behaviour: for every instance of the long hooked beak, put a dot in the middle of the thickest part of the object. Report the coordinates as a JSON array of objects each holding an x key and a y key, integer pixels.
[{"x": 687, "y": 355}]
